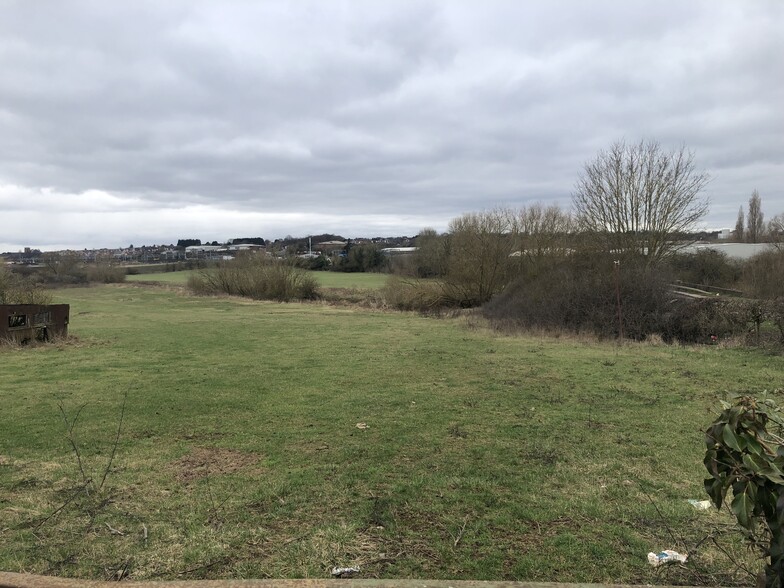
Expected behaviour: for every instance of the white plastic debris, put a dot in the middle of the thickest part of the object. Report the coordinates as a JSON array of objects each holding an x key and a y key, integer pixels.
[
  {"x": 700, "y": 504},
  {"x": 362, "y": 426},
  {"x": 344, "y": 572},
  {"x": 665, "y": 557}
]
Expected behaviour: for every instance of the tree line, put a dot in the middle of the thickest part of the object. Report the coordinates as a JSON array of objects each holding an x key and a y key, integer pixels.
[
  {"x": 606, "y": 266},
  {"x": 751, "y": 227}
]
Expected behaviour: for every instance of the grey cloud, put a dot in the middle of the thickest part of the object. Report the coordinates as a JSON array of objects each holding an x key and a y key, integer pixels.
[{"x": 405, "y": 108}]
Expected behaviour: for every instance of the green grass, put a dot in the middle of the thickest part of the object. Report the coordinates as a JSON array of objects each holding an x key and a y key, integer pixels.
[
  {"x": 359, "y": 281},
  {"x": 485, "y": 457},
  {"x": 174, "y": 278}
]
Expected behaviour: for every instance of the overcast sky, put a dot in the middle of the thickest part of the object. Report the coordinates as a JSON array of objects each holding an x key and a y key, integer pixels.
[{"x": 144, "y": 122}]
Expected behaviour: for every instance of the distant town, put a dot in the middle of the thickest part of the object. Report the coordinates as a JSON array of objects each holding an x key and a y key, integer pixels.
[
  {"x": 324, "y": 244},
  {"x": 194, "y": 249}
]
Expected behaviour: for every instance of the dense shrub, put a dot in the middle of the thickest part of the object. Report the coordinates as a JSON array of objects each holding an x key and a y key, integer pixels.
[
  {"x": 698, "y": 320},
  {"x": 579, "y": 294},
  {"x": 763, "y": 274},
  {"x": 478, "y": 262},
  {"x": 707, "y": 267},
  {"x": 404, "y": 265},
  {"x": 320, "y": 263},
  {"x": 63, "y": 268},
  {"x": 105, "y": 274},
  {"x": 414, "y": 294},
  {"x": 257, "y": 276},
  {"x": 776, "y": 316},
  {"x": 430, "y": 259},
  {"x": 17, "y": 289},
  {"x": 69, "y": 268},
  {"x": 362, "y": 258},
  {"x": 105, "y": 271},
  {"x": 482, "y": 252}
]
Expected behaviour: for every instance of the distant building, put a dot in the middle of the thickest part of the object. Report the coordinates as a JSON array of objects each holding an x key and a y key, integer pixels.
[
  {"x": 330, "y": 247},
  {"x": 245, "y": 247},
  {"x": 204, "y": 251},
  {"x": 399, "y": 250},
  {"x": 733, "y": 250}
]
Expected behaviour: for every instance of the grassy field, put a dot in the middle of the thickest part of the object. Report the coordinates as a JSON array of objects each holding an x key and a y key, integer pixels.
[
  {"x": 360, "y": 281},
  {"x": 278, "y": 440},
  {"x": 179, "y": 278}
]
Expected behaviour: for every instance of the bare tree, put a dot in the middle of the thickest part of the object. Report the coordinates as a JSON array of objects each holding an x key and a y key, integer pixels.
[
  {"x": 16, "y": 289},
  {"x": 755, "y": 226},
  {"x": 60, "y": 265},
  {"x": 483, "y": 251},
  {"x": 739, "y": 224},
  {"x": 639, "y": 198},
  {"x": 479, "y": 249},
  {"x": 776, "y": 230},
  {"x": 542, "y": 233},
  {"x": 431, "y": 254}
]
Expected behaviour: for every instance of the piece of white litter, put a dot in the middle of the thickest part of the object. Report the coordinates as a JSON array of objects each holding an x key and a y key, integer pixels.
[
  {"x": 344, "y": 572},
  {"x": 666, "y": 556},
  {"x": 700, "y": 504},
  {"x": 362, "y": 426}
]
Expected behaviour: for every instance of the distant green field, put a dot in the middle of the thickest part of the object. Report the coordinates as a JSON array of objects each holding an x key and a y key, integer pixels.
[
  {"x": 180, "y": 277},
  {"x": 360, "y": 281},
  {"x": 326, "y": 279},
  {"x": 279, "y": 440}
]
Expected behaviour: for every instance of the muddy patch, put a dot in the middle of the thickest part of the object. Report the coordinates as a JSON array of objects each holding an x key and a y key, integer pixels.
[{"x": 201, "y": 462}]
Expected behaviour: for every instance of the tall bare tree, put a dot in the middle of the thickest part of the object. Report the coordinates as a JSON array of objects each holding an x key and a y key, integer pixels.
[
  {"x": 638, "y": 198},
  {"x": 432, "y": 252},
  {"x": 739, "y": 225},
  {"x": 479, "y": 248},
  {"x": 755, "y": 221},
  {"x": 542, "y": 233}
]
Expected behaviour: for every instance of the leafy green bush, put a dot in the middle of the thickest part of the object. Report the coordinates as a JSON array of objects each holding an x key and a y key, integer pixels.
[
  {"x": 745, "y": 455},
  {"x": 362, "y": 258}
]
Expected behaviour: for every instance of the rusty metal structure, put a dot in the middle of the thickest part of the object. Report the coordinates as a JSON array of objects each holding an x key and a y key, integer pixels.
[{"x": 23, "y": 323}]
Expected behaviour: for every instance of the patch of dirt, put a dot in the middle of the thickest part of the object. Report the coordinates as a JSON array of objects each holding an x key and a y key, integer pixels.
[
  {"x": 201, "y": 436},
  {"x": 201, "y": 462}
]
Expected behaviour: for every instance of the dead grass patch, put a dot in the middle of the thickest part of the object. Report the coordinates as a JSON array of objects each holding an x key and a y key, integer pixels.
[
  {"x": 56, "y": 342},
  {"x": 357, "y": 297},
  {"x": 201, "y": 462}
]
